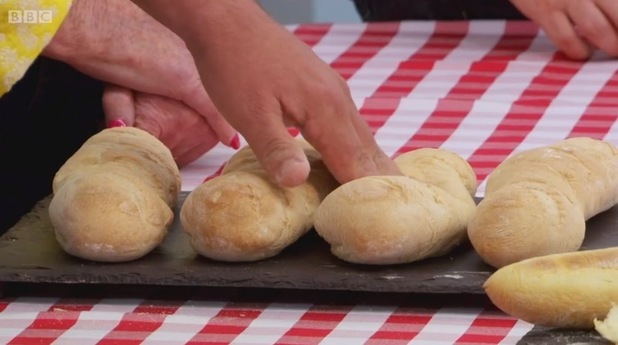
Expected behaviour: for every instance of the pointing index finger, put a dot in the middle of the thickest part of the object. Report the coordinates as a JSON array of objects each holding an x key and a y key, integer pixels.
[{"x": 347, "y": 146}]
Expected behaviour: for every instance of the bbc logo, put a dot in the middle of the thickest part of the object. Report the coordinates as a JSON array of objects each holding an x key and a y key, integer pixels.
[{"x": 30, "y": 16}]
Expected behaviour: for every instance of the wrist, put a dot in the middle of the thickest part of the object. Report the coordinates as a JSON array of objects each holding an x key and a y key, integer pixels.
[
  {"x": 200, "y": 22},
  {"x": 215, "y": 16},
  {"x": 69, "y": 40}
]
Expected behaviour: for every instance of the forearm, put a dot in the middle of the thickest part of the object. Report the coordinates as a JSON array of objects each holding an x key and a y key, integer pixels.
[
  {"x": 101, "y": 30},
  {"x": 199, "y": 22},
  {"x": 71, "y": 35},
  {"x": 263, "y": 79},
  {"x": 116, "y": 42}
]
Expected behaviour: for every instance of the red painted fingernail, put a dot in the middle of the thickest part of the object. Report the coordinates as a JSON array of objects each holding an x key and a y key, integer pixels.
[
  {"x": 235, "y": 143},
  {"x": 293, "y": 131},
  {"x": 116, "y": 123}
]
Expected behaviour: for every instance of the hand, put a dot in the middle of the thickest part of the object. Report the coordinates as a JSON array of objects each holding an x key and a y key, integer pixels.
[
  {"x": 263, "y": 80},
  {"x": 576, "y": 26},
  {"x": 116, "y": 42},
  {"x": 184, "y": 131}
]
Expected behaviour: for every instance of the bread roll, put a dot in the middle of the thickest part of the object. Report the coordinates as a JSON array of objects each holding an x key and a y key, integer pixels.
[
  {"x": 242, "y": 215},
  {"x": 399, "y": 219},
  {"x": 113, "y": 199},
  {"x": 537, "y": 202},
  {"x": 567, "y": 290},
  {"x": 608, "y": 327}
]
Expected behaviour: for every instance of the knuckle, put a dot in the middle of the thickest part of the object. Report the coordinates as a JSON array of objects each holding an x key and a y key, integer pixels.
[
  {"x": 273, "y": 151},
  {"x": 325, "y": 92},
  {"x": 593, "y": 29},
  {"x": 187, "y": 91},
  {"x": 331, "y": 90},
  {"x": 571, "y": 46},
  {"x": 564, "y": 40}
]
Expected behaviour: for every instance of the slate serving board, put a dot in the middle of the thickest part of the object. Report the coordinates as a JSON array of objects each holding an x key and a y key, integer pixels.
[
  {"x": 29, "y": 253},
  {"x": 549, "y": 336}
]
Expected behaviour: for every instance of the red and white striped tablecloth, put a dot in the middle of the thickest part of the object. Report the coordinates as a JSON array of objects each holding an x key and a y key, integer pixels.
[
  {"x": 483, "y": 89},
  {"x": 131, "y": 321}
]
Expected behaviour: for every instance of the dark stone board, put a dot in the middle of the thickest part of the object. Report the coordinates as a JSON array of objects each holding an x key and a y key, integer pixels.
[
  {"x": 29, "y": 253},
  {"x": 550, "y": 336},
  {"x": 30, "y": 257}
]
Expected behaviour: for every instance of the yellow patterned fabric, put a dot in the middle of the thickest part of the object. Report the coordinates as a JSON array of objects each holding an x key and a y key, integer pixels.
[{"x": 26, "y": 27}]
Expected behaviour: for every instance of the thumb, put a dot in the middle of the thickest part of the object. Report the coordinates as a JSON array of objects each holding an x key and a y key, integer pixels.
[
  {"x": 118, "y": 106},
  {"x": 280, "y": 154}
]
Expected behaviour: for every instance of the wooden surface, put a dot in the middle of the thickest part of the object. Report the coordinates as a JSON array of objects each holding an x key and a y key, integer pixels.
[{"x": 30, "y": 253}]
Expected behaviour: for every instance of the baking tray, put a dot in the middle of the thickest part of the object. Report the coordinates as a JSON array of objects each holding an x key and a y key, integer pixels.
[{"x": 29, "y": 253}]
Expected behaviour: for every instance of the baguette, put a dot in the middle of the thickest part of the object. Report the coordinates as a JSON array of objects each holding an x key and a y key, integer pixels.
[
  {"x": 113, "y": 198},
  {"x": 608, "y": 327},
  {"x": 537, "y": 202},
  {"x": 566, "y": 290},
  {"x": 241, "y": 215},
  {"x": 383, "y": 220}
]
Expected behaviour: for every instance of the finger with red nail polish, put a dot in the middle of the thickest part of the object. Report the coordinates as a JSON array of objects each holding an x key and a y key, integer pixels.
[
  {"x": 235, "y": 143},
  {"x": 116, "y": 123},
  {"x": 118, "y": 105},
  {"x": 294, "y": 131}
]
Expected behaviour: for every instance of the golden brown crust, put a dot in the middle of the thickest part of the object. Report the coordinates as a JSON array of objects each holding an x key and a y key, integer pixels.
[
  {"x": 400, "y": 219},
  {"x": 112, "y": 199},
  {"x": 536, "y": 202},
  {"x": 506, "y": 228},
  {"x": 243, "y": 216},
  {"x": 567, "y": 290},
  {"x": 608, "y": 327},
  {"x": 441, "y": 168},
  {"x": 131, "y": 147}
]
